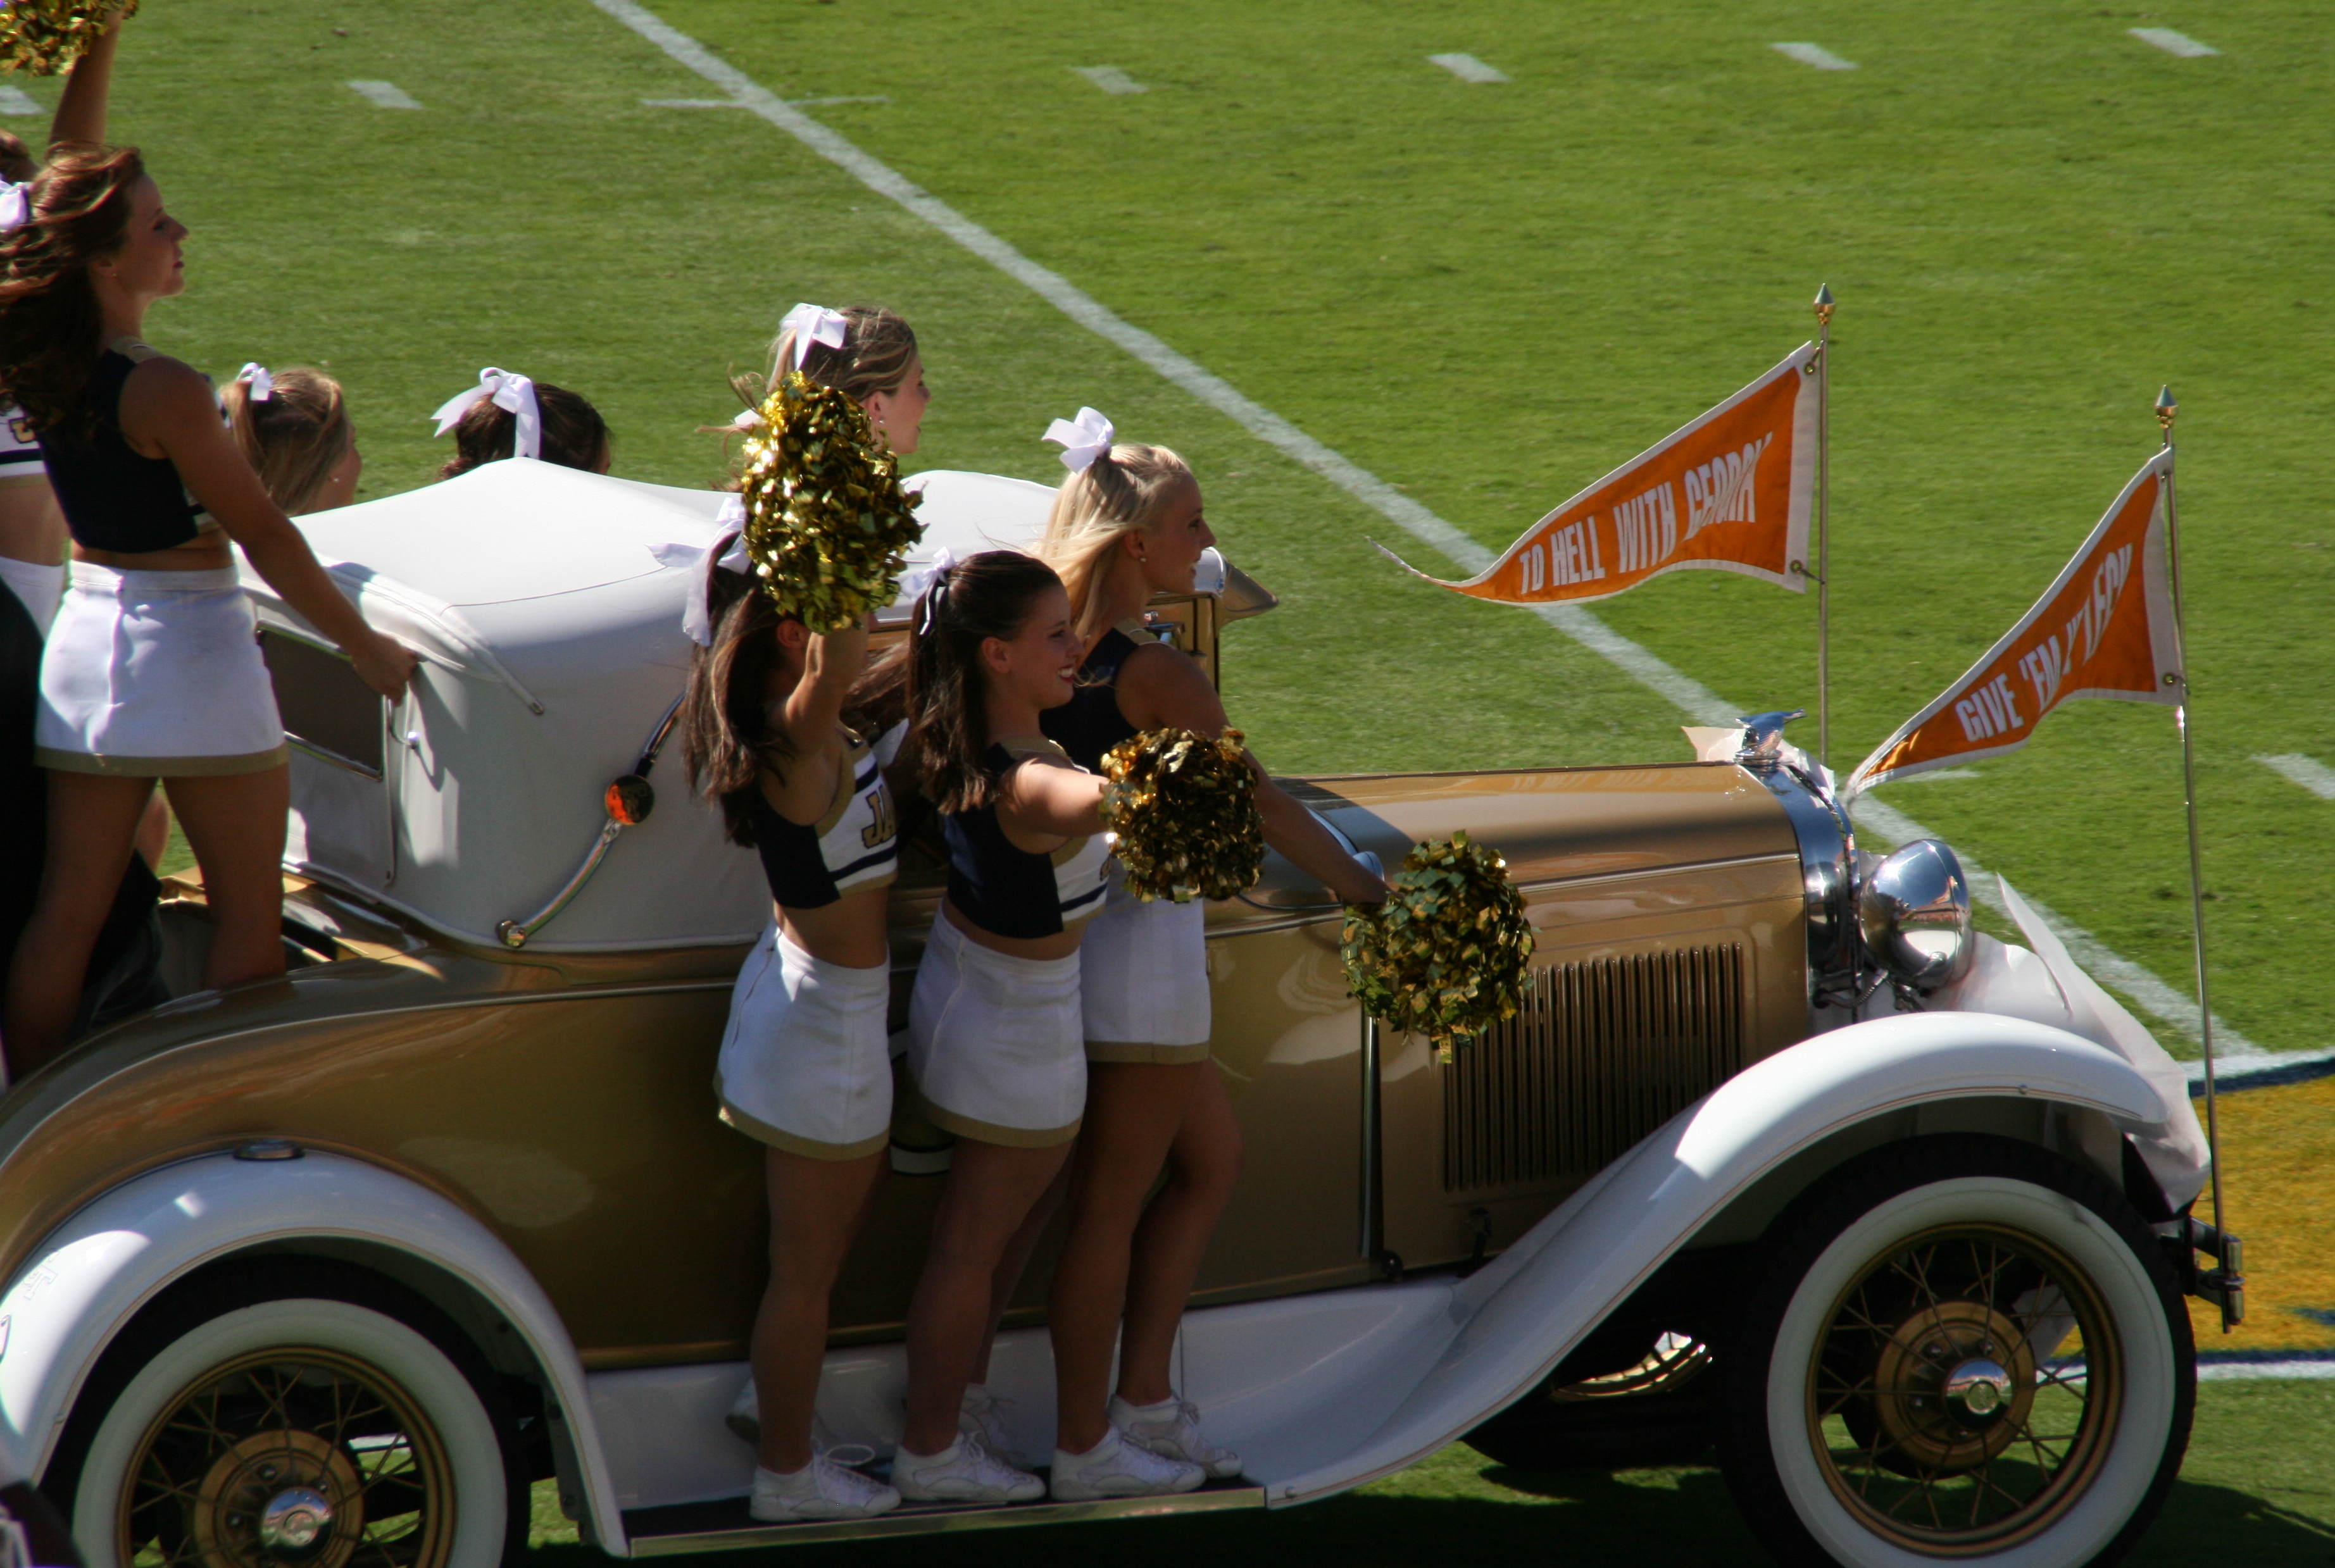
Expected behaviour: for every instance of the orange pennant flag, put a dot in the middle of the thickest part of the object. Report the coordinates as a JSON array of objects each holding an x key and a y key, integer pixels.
[
  {"x": 2105, "y": 628},
  {"x": 1729, "y": 492}
]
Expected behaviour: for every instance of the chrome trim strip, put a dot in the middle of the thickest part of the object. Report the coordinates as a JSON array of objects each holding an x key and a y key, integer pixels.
[
  {"x": 322, "y": 754},
  {"x": 911, "y": 1520}
]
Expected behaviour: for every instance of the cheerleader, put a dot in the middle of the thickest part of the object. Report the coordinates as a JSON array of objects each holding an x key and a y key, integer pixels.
[
  {"x": 151, "y": 670},
  {"x": 993, "y": 1037},
  {"x": 294, "y": 428},
  {"x": 1128, "y": 524},
  {"x": 804, "y": 1067},
  {"x": 33, "y": 535},
  {"x": 508, "y": 415}
]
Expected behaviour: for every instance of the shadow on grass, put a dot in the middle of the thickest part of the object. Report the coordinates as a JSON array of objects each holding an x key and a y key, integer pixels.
[{"x": 1684, "y": 1519}]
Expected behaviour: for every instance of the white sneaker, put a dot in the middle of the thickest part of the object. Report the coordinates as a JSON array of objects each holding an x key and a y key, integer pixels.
[
  {"x": 1116, "y": 1467},
  {"x": 982, "y": 1415},
  {"x": 963, "y": 1472},
  {"x": 822, "y": 1489},
  {"x": 1171, "y": 1428}
]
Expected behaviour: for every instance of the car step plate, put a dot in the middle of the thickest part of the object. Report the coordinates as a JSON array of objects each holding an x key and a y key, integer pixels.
[{"x": 715, "y": 1526}]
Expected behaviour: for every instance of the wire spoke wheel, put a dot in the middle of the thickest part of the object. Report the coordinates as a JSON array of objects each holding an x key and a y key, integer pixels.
[
  {"x": 290, "y": 1457},
  {"x": 1956, "y": 1347},
  {"x": 1964, "y": 1388}
]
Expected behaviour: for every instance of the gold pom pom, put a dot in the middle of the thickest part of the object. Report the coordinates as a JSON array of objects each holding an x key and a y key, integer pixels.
[
  {"x": 826, "y": 526},
  {"x": 45, "y": 37},
  {"x": 1185, "y": 809},
  {"x": 1446, "y": 956}
]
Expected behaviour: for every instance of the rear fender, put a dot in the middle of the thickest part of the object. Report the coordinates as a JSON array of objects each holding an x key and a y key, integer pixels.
[
  {"x": 88, "y": 1280},
  {"x": 1510, "y": 1323}
]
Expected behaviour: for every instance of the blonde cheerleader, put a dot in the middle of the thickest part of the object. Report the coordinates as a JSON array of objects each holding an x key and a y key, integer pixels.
[{"x": 1129, "y": 523}]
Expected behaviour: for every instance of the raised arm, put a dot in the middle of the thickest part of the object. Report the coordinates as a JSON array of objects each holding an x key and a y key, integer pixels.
[
  {"x": 81, "y": 110},
  {"x": 166, "y": 405},
  {"x": 833, "y": 662},
  {"x": 1161, "y": 688},
  {"x": 1045, "y": 799}
]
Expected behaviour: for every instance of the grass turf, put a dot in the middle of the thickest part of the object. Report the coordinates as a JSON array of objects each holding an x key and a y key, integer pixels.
[
  {"x": 2251, "y": 1493},
  {"x": 1487, "y": 295}
]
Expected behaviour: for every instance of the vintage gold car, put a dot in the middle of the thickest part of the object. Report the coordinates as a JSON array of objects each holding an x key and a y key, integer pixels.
[{"x": 1779, "y": 1157}]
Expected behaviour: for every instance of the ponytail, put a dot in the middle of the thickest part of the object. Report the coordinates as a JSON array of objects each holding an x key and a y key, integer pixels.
[{"x": 986, "y": 596}]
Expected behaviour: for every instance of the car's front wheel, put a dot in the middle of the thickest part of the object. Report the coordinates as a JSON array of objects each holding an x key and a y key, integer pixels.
[
  {"x": 1959, "y": 1346},
  {"x": 297, "y": 1414}
]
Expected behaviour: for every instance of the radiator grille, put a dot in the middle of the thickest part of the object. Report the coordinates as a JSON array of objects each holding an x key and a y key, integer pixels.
[{"x": 1599, "y": 1055}]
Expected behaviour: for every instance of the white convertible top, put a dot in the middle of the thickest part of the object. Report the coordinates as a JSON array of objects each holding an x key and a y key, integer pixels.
[{"x": 552, "y": 649}]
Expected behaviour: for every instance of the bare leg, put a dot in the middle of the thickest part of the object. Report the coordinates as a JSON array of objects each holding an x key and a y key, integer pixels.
[
  {"x": 990, "y": 1191},
  {"x": 1010, "y": 1267},
  {"x": 1204, "y": 1166},
  {"x": 1133, "y": 1111},
  {"x": 91, "y": 819},
  {"x": 234, "y": 826},
  {"x": 816, "y": 1207},
  {"x": 154, "y": 833}
]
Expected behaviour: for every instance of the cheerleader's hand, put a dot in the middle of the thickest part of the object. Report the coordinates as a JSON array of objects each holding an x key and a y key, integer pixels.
[{"x": 383, "y": 663}]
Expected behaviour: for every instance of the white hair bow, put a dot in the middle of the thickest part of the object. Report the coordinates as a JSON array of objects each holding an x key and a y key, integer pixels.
[
  {"x": 728, "y": 551},
  {"x": 1083, "y": 440},
  {"x": 509, "y": 391},
  {"x": 918, "y": 581},
  {"x": 15, "y": 206},
  {"x": 813, "y": 324},
  {"x": 263, "y": 385}
]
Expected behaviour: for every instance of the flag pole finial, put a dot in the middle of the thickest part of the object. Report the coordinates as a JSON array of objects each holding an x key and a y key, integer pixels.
[
  {"x": 2166, "y": 409},
  {"x": 1824, "y": 304}
]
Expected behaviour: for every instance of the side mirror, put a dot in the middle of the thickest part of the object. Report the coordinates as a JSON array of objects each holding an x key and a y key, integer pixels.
[{"x": 1914, "y": 910}]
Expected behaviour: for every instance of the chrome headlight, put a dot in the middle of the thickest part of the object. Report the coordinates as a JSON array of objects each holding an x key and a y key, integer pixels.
[{"x": 1915, "y": 911}]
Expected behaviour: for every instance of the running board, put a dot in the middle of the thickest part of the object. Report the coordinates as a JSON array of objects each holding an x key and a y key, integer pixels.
[{"x": 722, "y": 1525}]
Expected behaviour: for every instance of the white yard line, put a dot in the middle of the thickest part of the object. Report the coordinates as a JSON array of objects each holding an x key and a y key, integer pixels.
[
  {"x": 1468, "y": 68},
  {"x": 1110, "y": 79},
  {"x": 1699, "y": 702},
  {"x": 2173, "y": 42},
  {"x": 383, "y": 94},
  {"x": 2311, "y": 774},
  {"x": 733, "y": 103},
  {"x": 15, "y": 99},
  {"x": 2248, "y": 1371},
  {"x": 1815, "y": 54}
]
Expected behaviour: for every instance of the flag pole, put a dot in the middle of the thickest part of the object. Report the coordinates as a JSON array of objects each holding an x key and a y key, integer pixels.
[
  {"x": 2167, "y": 411},
  {"x": 1824, "y": 524}
]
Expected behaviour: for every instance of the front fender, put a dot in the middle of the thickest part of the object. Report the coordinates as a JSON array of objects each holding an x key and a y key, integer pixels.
[
  {"x": 85, "y": 1283},
  {"x": 1515, "y": 1319}
]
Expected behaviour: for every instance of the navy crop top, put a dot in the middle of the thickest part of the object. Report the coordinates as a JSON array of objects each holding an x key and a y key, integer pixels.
[
  {"x": 1090, "y": 722},
  {"x": 113, "y": 499},
  {"x": 1013, "y": 892},
  {"x": 855, "y": 845}
]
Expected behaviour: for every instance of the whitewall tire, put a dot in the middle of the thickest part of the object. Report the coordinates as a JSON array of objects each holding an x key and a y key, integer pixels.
[
  {"x": 1961, "y": 1348},
  {"x": 227, "y": 1432}
]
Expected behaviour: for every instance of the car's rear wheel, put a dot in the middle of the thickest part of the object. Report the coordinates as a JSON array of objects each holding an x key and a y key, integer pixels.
[
  {"x": 300, "y": 1415},
  {"x": 1961, "y": 1347}
]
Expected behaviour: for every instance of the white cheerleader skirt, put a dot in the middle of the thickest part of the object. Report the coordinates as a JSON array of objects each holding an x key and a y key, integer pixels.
[
  {"x": 993, "y": 1045},
  {"x": 155, "y": 675},
  {"x": 1143, "y": 979},
  {"x": 806, "y": 1063}
]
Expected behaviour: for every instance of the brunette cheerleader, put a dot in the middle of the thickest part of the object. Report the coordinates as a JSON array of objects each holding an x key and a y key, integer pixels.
[
  {"x": 508, "y": 415},
  {"x": 152, "y": 670},
  {"x": 1129, "y": 523},
  {"x": 994, "y": 1041},
  {"x": 804, "y": 1065}
]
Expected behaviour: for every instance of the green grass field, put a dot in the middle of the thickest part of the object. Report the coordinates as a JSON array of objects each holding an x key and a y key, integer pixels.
[{"x": 1487, "y": 295}]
